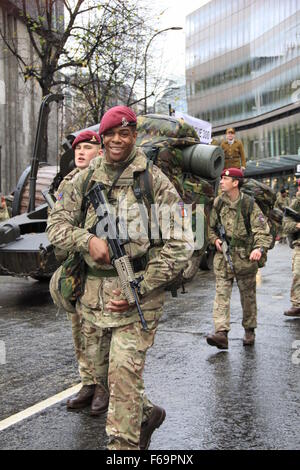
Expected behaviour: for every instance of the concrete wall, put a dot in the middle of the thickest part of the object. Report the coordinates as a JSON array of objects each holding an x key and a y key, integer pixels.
[{"x": 19, "y": 108}]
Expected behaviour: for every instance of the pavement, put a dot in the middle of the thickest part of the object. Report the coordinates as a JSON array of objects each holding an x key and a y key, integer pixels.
[{"x": 243, "y": 398}]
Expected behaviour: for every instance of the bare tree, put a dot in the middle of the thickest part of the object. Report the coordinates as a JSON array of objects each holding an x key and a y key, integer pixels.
[
  {"x": 113, "y": 73},
  {"x": 60, "y": 40},
  {"x": 93, "y": 49}
]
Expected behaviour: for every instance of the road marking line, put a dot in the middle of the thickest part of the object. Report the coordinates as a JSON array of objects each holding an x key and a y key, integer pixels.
[{"x": 16, "y": 418}]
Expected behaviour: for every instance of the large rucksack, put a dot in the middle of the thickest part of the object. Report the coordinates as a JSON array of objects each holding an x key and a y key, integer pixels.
[
  {"x": 265, "y": 198},
  {"x": 163, "y": 139}
]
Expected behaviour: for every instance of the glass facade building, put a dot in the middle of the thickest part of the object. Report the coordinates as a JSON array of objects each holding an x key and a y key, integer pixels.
[{"x": 243, "y": 70}]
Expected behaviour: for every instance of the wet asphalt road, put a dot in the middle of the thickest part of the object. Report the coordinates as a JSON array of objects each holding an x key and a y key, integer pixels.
[{"x": 243, "y": 398}]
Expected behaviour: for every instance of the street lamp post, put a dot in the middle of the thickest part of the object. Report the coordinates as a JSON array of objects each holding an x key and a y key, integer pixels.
[{"x": 173, "y": 28}]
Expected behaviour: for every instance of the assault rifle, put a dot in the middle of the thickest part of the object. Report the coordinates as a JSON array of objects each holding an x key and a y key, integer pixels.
[
  {"x": 225, "y": 246},
  {"x": 288, "y": 212},
  {"x": 108, "y": 223}
]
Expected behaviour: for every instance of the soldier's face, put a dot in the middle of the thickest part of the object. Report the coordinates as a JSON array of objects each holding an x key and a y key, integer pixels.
[
  {"x": 227, "y": 184},
  {"x": 84, "y": 153},
  {"x": 118, "y": 143}
]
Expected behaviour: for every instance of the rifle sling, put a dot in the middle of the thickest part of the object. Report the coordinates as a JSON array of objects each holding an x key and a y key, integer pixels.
[{"x": 117, "y": 177}]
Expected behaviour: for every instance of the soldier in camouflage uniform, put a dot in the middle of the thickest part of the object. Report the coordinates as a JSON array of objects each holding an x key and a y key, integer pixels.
[
  {"x": 4, "y": 214},
  {"x": 282, "y": 201},
  {"x": 245, "y": 252},
  {"x": 291, "y": 227},
  {"x": 105, "y": 312},
  {"x": 87, "y": 147}
]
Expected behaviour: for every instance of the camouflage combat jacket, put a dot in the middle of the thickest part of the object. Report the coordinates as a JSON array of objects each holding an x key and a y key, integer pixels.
[
  {"x": 290, "y": 225},
  {"x": 164, "y": 261},
  {"x": 234, "y": 154},
  {"x": 4, "y": 214},
  {"x": 94, "y": 163},
  {"x": 241, "y": 244},
  {"x": 60, "y": 254}
]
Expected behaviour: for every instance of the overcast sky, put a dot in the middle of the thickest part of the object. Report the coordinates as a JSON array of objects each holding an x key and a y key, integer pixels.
[{"x": 173, "y": 42}]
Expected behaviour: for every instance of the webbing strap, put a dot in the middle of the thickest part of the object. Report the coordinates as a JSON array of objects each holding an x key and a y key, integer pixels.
[
  {"x": 243, "y": 208},
  {"x": 143, "y": 191},
  {"x": 236, "y": 224},
  {"x": 84, "y": 204},
  {"x": 117, "y": 177}
]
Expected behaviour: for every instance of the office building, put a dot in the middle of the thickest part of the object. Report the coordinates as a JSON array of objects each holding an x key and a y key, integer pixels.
[{"x": 243, "y": 70}]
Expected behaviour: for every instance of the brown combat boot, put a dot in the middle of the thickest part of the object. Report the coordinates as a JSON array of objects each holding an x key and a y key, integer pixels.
[
  {"x": 292, "y": 312},
  {"x": 249, "y": 337},
  {"x": 219, "y": 340},
  {"x": 155, "y": 419},
  {"x": 100, "y": 401},
  {"x": 82, "y": 399}
]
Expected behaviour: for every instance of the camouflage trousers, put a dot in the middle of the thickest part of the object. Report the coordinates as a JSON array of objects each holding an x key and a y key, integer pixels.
[
  {"x": 128, "y": 404},
  {"x": 115, "y": 357},
  {"x": 295, "y": 289},
  {"x": 221, "y": 312},
  {"x": 245, "y": 275},
  {"x": 90, "y": 350}
]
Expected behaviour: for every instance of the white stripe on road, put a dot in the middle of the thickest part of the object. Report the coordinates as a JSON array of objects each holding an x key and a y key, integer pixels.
[{"x": 6, "y": 423}]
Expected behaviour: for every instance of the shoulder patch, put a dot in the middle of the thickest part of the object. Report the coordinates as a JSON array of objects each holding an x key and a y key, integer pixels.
[
  {"x": 261, "y": 219},
  {"x": 182, "y": 210}
]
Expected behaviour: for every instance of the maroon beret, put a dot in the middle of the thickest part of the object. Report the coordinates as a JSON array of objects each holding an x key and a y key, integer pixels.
[
  {"x": 87, "y": 136},
  {"x": 233, "y": 172},
  {"x": 117, "y": 116}
]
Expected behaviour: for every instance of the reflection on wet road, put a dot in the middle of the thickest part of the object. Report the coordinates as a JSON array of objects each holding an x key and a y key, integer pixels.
[{"x": 243, "y": 398}]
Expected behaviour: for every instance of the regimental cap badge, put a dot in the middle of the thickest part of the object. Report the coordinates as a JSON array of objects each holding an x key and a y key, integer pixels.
[
  {"x": 233, "y": 172},
  {"x": 93, "y": 139},
  {"x": 124, "y": 122}
]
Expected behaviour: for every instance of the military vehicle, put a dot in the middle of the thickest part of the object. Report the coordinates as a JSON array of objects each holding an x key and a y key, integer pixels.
[{"x": 24, "y": 246}]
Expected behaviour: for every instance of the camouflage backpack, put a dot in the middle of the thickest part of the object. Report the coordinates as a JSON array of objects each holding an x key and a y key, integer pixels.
[
  {"x": 162, "y": 138},
  {"x": 265, "y": 198}
]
